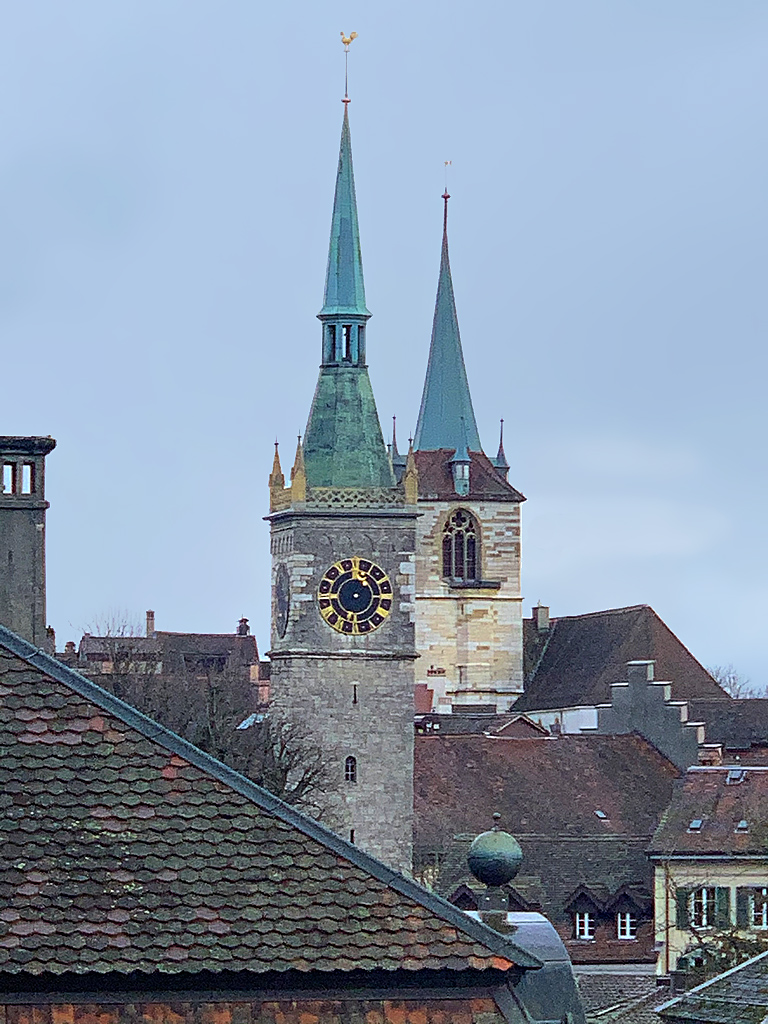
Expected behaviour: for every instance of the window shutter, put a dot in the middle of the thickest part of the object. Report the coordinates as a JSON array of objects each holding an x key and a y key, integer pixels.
[
  {"x": 722, "y": 906},
  {"x": 681, "y": 902},
  {"x": 742, "y": 908}
]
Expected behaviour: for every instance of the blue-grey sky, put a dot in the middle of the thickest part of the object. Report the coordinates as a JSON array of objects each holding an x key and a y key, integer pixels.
[{"x": 166, "y": 184}]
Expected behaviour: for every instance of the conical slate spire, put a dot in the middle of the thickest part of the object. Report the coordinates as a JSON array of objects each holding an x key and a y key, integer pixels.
[
  {"x": 343, "y": 444},
  {"x": 446, "y": 400},
  {"x": 344, "y": 287}
]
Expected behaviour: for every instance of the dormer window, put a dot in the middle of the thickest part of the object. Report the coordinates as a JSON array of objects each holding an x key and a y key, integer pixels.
[
  {"x": 626, "y": 925},
  {"x": 584, "y": 925},
  {"x": 460, "y": 547}
]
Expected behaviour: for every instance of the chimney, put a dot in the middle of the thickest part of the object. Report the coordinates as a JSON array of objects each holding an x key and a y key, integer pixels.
[
  {"x": 22, "y": 537},
  {"x": 243, "y": 629},
  {"x": 150, "y": 622},
  {"x": 540, "y": 615}
]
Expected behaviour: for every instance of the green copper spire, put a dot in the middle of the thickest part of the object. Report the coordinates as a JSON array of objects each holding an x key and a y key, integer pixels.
[
  {"x": 343, "y": 443},
  {"x": 446, "y": 400},
  {"x": 344, "y": 287}
]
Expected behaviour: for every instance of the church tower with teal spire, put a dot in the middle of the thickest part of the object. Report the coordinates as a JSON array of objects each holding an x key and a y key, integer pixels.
[
  {"x": 343, "y": 539},
  {"x": 469, "y": 630}
]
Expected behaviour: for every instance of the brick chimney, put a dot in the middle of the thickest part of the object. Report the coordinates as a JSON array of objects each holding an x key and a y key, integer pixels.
[{"x": 150, "y": 622}]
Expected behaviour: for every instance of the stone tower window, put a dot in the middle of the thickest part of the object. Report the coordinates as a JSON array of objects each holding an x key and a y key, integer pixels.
[
  {"x": 350, "y": 769},
  {"x": 461, "y": 547}
]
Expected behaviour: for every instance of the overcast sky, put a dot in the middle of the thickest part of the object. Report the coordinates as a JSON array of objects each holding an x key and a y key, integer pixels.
[{"x": 165, "y": 199}]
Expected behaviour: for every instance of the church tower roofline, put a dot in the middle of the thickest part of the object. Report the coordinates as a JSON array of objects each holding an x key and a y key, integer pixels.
[
  {"x": 344, "y": 284},
  {"x": 446, "y": 400}
]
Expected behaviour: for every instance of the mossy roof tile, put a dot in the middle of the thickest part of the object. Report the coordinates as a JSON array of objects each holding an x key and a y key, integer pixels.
[{"x": 102, "y": 879}]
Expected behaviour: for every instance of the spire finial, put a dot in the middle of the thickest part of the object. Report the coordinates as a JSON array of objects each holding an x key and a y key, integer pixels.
[
  {"x": 446, "y": 197},
  {"x": 395, "y": 452},
  {"x": 500, "y": 462},
  {"x": 346, "y": 40}
]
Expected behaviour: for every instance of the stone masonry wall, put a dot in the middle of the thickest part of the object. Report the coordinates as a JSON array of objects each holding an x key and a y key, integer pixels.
[
  {"x": 474, "y": 635},
  {"x": 353, "y": 694}
]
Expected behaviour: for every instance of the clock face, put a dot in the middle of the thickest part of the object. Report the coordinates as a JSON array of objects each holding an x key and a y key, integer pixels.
[
  {"x": 282, "y": 600},
  {"x": 355, "y": 596}
]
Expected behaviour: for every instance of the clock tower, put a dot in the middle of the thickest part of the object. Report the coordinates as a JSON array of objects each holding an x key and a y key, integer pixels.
[{"x": 343, "y": 540}]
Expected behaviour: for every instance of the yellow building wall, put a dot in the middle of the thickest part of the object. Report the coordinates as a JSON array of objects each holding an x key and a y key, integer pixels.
[
  {"x": 674, "y": 875},
  {"x": 470, "y": 641}
]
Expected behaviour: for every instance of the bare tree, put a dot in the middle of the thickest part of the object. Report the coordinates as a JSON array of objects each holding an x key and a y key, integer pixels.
[
  {"x": 734, "y": 683},
  {"x": 214, "y": 706}
]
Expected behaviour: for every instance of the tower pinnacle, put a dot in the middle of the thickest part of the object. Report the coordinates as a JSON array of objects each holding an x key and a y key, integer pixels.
[{"x": 446, "y": 400}]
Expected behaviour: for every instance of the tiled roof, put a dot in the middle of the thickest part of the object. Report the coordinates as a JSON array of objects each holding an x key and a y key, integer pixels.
[
  {"x": 706, "y": 794},
  {"x": 547, "y": 791},
  {"x": 738, "y": 996},
  {"x": 574, "y": 663},
  {"x": 124, "y": 849},
  {"x": 739, "y": 724},
  {"x": 611, "y": 997},
  {"x": 485, "y": 481}
]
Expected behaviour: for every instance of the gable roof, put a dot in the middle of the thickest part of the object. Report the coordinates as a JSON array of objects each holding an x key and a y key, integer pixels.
[
  {"x": 547, "y": 791},
  {"x": 127, "y": 849},
  {"x": 736, "y": 723},
  {"x": 738, "y": 996},
  {"x": 485, "y": 481},
  {"x": 721, "y": 803},
  {"x": 574, "y": 662}
]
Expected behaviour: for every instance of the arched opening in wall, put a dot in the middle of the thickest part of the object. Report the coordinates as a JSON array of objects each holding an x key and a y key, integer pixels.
[
  {"x": 350, "y": 769},
  {"x": 461, "y": 547}
]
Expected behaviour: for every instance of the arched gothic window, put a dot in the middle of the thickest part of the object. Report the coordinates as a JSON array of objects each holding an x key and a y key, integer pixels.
[
  {"x": 461, "y": 547},
  {"x": 350, "y": 769}
]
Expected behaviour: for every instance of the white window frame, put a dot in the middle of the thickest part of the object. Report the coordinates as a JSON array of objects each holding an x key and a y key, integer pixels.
[
  {"x": 585, "y": 925},
  {"x": 702, "y": 907},
  {"x": 626, "y": 925},
  {"x": 758, "y": 910}
]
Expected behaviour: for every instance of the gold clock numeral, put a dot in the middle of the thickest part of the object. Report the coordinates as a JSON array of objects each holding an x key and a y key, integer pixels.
[{"x": 354, "y": 596}]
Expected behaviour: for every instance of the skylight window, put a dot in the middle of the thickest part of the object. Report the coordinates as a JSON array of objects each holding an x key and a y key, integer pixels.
[
  {"x": 743, "y": 825},
  {"x": 735, "y": 776},
  {"x": 695, "y": 825},
  {"x": 601, "y": 815}
]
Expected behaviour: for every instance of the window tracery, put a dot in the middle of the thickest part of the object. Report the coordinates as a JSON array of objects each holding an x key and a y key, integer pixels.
[{"x": 461, "y": 547}]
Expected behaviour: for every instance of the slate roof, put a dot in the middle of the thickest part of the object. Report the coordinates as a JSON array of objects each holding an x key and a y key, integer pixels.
[
  {"x": 706, "y": 794},
  {"x": 124, "y": 848},
  {"x": 511, "y": 726},
  {"x": 547, "y": 791},
  {"x": 485, "y": 481},
  {"x": 738, "y": 996},
  {"x": 574, "y": 663},
  {"x": 737, "y": 723}
]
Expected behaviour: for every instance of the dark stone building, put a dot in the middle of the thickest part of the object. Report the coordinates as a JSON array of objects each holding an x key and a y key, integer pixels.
[{"x": 22, "y": 536}]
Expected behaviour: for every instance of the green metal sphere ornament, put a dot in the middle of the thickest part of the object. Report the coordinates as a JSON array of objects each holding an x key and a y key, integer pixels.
[{"x": 494, "y": 857}]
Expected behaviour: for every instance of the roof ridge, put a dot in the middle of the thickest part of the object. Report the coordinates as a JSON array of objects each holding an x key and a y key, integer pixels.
[
  {"x": 148, "y": 727},
  {"x": 605, "y": 611}
]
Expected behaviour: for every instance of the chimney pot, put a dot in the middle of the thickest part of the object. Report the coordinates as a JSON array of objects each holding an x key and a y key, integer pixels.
[{"x": 150, "y": 623}]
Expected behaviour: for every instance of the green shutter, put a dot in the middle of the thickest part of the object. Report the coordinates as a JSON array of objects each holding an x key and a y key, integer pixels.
[
  {"x": 722, "y": 906},
  {"x": 742, "y": 908},
  {"x": 681, "y": 903}
]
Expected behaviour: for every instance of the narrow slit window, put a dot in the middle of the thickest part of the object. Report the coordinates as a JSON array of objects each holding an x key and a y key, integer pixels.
[
  {"x": 354, "y": 693},
  {"x": 330, "y": 343},
  {"x": 27, "y": 478},
  {"x": 9, "y": 477},
  {"x": 352, "y": 836},
  {"x": 347, "y": 328},
  {"x": 350, "y": 769}
]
